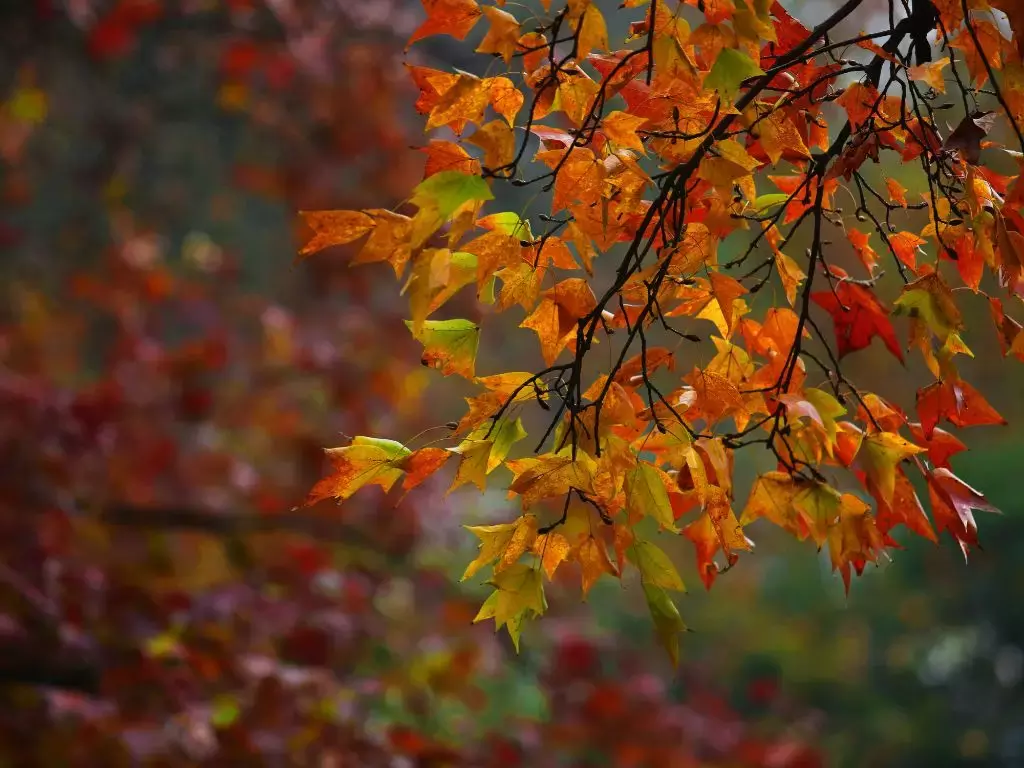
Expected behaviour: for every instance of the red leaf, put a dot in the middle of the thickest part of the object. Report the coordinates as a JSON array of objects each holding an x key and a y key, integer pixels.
[
  {"x": 956, "y": 402},
  {"x": 858, "y": 316},
  {"x": 952, "y": 504}
]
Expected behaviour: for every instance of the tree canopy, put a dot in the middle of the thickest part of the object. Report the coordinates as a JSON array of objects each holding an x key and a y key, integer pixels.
[{"x": 715, "y": 235}]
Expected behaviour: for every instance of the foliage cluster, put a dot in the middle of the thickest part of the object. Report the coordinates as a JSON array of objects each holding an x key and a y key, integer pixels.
[{"x": 699, "y": 157}]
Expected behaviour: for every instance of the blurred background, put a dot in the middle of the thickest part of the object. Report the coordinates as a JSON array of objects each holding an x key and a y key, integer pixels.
[{"x": 168, "y": 378}]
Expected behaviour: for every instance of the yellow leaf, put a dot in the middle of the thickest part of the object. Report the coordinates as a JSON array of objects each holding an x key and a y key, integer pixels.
[
  {"x": 593, "y": 32},
  {"x": 367, "y": 461},
  {"x": 879, "y": 454},
  {"x": 503, "y": 34},
  {"x": 551, "y": 475},
  {"x": 505, "y": 541},
  {"x": 518, "y": 595}
]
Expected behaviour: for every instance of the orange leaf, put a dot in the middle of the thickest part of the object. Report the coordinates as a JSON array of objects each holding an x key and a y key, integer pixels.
[{"x": 447, "y": 17}]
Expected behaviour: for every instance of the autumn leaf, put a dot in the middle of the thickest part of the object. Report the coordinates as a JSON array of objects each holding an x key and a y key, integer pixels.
[
  {"x": 716, "y": 529},
  {"x": 953, "y": 502},
  {"x": 903, "y": 509},
  {"x": 930, "y": 299},
  {"x": 449, "y": 345},
  {"x": 621, "y": 127},
  {"x": 879, "y": 454},
  {"x": 731, "y": 68},
  {"x": 667, "y": 154},
  {"x": 668, "y": 624},
  {"x": 647, "y": 494},
  {"x": 967, "y": 136},
  {"x": 553, "y": 549},
  {"x": 420, "y": 465},
  {"x": 366, "y": 461},
  {"x": 447, "y": 191},
  {"x": 592, "y": 556},
  {"x": 655, "y": 567},
  {"x": 854, "y": 540},
  {"x": 447, "y": 17},
  {"x": 502, "y": 35},
  {"x": 956, "y": 402},
  {"x": 504, "y": 543},
  {"x": 551, "y": 475},
  {"x": 858, "y": 316},
  {"x": 518, "y": 595},
  {"x": 334, "y": 228},
  {"x": 930, "y": 73}
]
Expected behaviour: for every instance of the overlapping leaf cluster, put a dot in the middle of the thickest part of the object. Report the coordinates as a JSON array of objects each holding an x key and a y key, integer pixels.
[{"x": 716, "y": 126}]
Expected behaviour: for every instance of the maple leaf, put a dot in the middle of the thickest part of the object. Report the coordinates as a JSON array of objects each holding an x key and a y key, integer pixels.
[
  {"x": 437, "y": 274},
  {"x": 621, "y": 127},
  {"x": 448, "y": 156},
  {"x": 967, "y": 136},
  {"x": 592, "y": 33},
  {"x": 716, "y": 396},
  {"x": 448, "y": 345},
  {"x": 905, "y": 245},
  {"x": 952, "y": 504},
  {"x": 502, "y": 36},
  {"x": 858, "y": 316},
  {"x": 668, "y": 624},
  {"x": 497, "y": 141},
  {"x": 550, "y": 475},
  {"x": 334, "y": 228},
  {"x": 518, "y": 595},
  {"x": 447, "y": 191},
  {"x": 366, "y": 461},
  {"x": 903, "y": 509},
  {"x": 474, "y": 457},
  {"x": 854, "y": 540},
  {"x": 716, "y": 529},
  {"x": 420, "y": 465},
  {"x": 956, "y": 402},
  {"x": 647, "y": 494},
  {"x": 553, "y": 549},
  {"x": 655, "y": 566},
  {"x": 940, "y": 444},
  {"x": 931, "y": 300},
  {"x": 447, "y": 17},
  {"x": 592, "y": 556},
  {"x": 860, "y": 242},
  {"x": 879, "y": 454},
  {"x": 930, "y": 73},
  {"x": 731, "y": 68},
  {"x": 771, "y": 497},
  {"x": 494, "y": 539}
]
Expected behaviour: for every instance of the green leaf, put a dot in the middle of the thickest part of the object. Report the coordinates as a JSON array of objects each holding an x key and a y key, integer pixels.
[
  {"x": 667, "y": 621},
  {"x": 392, "y": 448},
  {"x": 730, "y": 69},
  {"x": 224, "y": 712},
  {"x": 763, "y": 202},
  {"x": 511, "y": 224},
  {"x": 647, "y": 496},
  {"x": 654, "y": 566},
  {"x": 446, "y": 191},
  {"x": 449, "y": 345}
]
